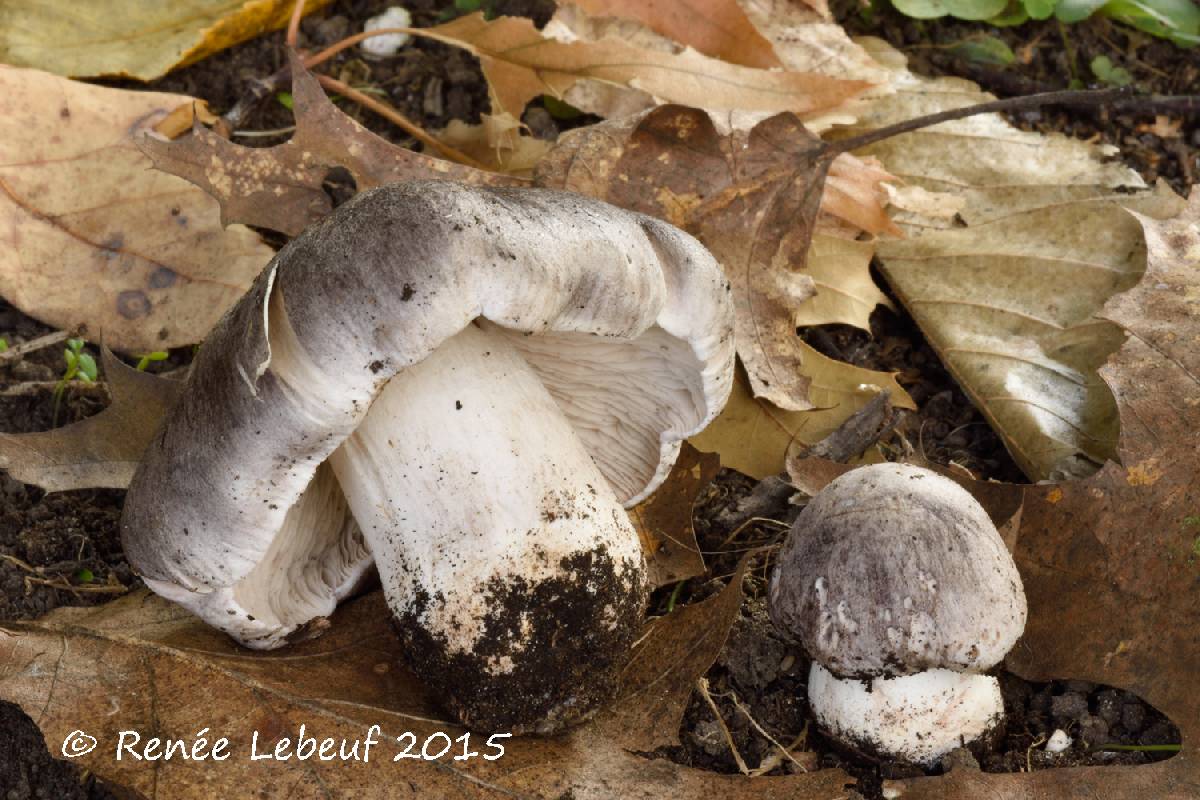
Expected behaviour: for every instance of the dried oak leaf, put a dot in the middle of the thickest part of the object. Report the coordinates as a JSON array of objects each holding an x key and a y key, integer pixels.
[
  {"x": 142, "y": 664},
  {"x": 520, "y": 62},
  {"x": 129, "y": 38},
  {"x": 717, "y": 28},
  {"x": 753, "y": 199},
  {"x": 1110, "y": 563},
  {"x": 664, "y": 520},
  {"x": 89, "y": 234},
  {"x": 102, "y": 450},
  {"x": 280, "y": 187}
]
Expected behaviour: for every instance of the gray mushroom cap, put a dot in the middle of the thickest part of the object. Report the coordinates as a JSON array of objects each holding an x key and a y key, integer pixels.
[
  {"x": 622, "y": 321},
  {"x": 893, "y": 569}
]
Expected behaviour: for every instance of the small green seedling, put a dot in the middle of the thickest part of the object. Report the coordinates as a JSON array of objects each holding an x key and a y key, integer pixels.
[
  {"x": 285, "y": 100},
  {"x": 84, "y": 575},
  {"x": 460, "y": 7},
  {"x": 1176, "y": 20},
  {"x": 146, "y": 359},
  {"x": 3, "y": 344},
  {"x": 80, "y": 366},
  {"x": 560, "y": 109},
  {"x": 1105, "y": 72}
]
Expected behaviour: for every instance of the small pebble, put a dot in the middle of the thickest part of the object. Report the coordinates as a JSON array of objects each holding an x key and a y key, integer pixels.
[
  {"x": 388, "y": 44},
  {"x": 1058, "y": 742},
  {"x": 1093, "y": 731}
]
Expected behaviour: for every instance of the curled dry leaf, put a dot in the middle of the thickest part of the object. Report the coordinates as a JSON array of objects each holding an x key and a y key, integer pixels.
[
  {"x": 664, "y": 520},
  {"x": 755, "y": 438},
  {"x": 499, "y": 143},
  {"x": 1109, "y": 563},
  {"x": 92, "y": 235},
  {"x": 280, "y": 187},
  {"x": 752, "y": 199},
  {"x": 520, "y": 63},
  {"x": 143, "y": 664},
  {"x": 717, "y": 28},
  {"x": 102, "y": 450},
  {"x": 130, "y": 39},
  {"x": 1008, "y": 300}
]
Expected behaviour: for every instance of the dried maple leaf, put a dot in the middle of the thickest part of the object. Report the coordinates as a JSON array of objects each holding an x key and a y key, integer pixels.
[
  {"x": 128, "y": 38},
  {"x": 91, "y": 235},
  {"x": 752, "y": 199},
  {"x": 717, "y": 28},
  {"x": 102, "y": 450},
  {"x": 521, "y": 63},
  {"x": 1110, "y": 563},
  {"x": 142, "y": 664},
  {"x": 280, "y": 187}
]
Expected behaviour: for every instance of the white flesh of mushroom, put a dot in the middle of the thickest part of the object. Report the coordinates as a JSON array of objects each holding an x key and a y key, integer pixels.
[
  {"x": 918, "y": 718},
  {"x": 466, "y": 477},
  {"x": 317, "y": 559}
]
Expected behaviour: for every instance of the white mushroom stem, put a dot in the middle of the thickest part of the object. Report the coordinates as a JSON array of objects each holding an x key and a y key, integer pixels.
[
  {"x": 917, "y": 718},
  {"x": 481, "y": 504}
]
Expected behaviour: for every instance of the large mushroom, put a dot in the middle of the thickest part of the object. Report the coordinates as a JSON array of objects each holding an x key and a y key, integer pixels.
[
  {"x": 489, "y": 376},
  {"x": 901, "y": 590}
]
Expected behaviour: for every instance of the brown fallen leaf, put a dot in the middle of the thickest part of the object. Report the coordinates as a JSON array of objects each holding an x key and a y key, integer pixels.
[
  {"x": 142, "y": 664},
  {"x": 280, "y": 187},
  {"x": 717, "y": 28},
  {"x": 664, "y": 520},
  {"x": 521, "y": 63},
  {"x": 1007, "y": 297},
  {"x": 102, "y": 450},
  {"x": 125, "y": 38},
  {"x": 752, "y": 199},
  {"x": 92, "y": 236},
  {"x": 1110, "y": 564}
]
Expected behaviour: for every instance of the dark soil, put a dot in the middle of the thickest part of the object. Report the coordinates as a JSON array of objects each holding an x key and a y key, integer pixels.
[{"x": 64, "y": 549}]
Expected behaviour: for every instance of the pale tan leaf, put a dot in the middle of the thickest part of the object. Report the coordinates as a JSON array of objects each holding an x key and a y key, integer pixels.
[
  {"x": 754, "y": 437},
  {"x": 130, "y": 39},
  {"x": 806, "y": 41},
  {"x": 102, "y": 450},
  {"x": 1008, "y": 301},
  {"x": 498, "y": 143},
  {"x": 92, "y": 235},
  {"x": 717, "y": 28},
  {"x": 844, "y": 291},
  {"x": 521, "y": 63}
]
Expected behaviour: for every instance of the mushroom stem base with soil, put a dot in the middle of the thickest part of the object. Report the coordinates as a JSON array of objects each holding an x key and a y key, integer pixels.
[{"x": 516, "y": 579}]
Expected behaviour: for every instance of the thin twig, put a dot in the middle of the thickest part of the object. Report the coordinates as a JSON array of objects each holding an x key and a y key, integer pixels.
[
  {"x": 258, "y": 134},
  {"x": 702, "y": 685},
  {"x": 1067, "y": 97},
  {"x": 399, "y": 120},
  {"x": 740, "y": 706},
  {"x": 49, "y": 340},
  {"x": 293, "y": 28}
]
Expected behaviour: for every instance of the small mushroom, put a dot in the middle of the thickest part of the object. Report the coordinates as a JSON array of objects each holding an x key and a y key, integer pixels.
[
  {"x": 489, "y": 376},
  {"x": 901, "y": 590}
]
